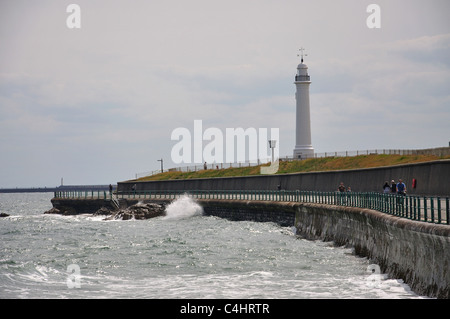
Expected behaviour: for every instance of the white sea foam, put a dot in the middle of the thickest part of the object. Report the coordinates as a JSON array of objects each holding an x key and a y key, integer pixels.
[{"x": 183, "y": 207}]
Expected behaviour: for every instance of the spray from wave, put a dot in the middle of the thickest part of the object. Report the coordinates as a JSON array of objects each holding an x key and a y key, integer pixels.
[{"x": 183, "y": 207}]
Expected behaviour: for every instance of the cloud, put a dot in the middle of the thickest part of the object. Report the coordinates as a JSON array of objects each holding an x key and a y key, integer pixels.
[
  {"x": 100, "y": 103},
  {"x": 433, "y": 50},
  {"x": 396, "y": 93}
]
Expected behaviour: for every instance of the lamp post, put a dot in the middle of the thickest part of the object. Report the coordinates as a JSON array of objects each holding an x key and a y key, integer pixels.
[
  {"x": 272, "y": 145},
  {"x": 161, "y": 160}
]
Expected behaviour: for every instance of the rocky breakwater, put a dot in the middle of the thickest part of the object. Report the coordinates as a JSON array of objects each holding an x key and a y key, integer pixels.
[
  {"x": 61, "y": 211},
  {"x": 129, "y": 209},
  {"x": 137, "y": 211}
]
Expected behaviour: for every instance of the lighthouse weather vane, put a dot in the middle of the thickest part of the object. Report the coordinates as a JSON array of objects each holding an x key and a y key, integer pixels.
[{"x": 301, "y": 50}]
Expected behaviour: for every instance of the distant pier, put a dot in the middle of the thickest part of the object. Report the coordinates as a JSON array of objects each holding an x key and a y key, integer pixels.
[{"x": 68, "y": 188}]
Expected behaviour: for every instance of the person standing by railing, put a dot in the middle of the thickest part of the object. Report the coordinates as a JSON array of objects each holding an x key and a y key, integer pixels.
[
  {"x": 341, "y": 189},
  {"x": 393, "y": 187},
  {"x": 401, "y": 190},
  {"x": 401, "y": 187},
  {"x": 386, "y": 188}
]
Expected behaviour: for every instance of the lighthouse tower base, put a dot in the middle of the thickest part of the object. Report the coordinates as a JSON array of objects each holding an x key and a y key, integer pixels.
[{"x": 303, "y": 152}]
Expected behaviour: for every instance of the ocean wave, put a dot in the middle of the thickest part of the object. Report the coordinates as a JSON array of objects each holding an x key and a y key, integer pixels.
[{"x": 183, "y": 207}]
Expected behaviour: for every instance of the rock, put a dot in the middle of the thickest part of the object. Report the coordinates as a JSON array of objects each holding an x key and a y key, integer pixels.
[
  {"x": 62, "y": 211},
  {"x": 139, "y": 211},
  {"x": 53, "y": 211},
  {"x": 3, "y": 215},
  {"x": 103, "y": 211}
]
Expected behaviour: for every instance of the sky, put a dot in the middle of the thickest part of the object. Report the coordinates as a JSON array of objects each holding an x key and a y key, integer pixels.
[{"x": 98, "y": 104}]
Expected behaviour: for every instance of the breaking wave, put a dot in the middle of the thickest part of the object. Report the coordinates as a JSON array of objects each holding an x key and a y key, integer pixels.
[{"x": 183, "y": 207}]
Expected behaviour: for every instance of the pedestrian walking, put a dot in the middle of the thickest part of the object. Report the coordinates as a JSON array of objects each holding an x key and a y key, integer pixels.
[
  {"x": 401, "y": 188},
  {"x": 393, "y": 187},
  {"x": 386, "y": 188}
]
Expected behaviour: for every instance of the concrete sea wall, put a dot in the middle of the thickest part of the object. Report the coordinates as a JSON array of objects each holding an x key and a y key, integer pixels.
[
  {"x": 70, "y": 206},
  {"x": 261, "y": 211},
  {"x": 431, "y": 179}
]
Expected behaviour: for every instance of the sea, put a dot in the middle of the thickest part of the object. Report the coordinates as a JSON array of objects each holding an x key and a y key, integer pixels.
[{"x": 183, "y": 255}]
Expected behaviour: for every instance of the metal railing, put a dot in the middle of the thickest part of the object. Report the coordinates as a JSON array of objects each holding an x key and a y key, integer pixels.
[
  {"x": 199, "y": 167},
  {"x": 432, "y": 209},
  {"x": 302, "y": 78},
  {"x": 438, "y": 151},
  {"x": 115, "y": 200},
  {"x": 97, "y": 194}
]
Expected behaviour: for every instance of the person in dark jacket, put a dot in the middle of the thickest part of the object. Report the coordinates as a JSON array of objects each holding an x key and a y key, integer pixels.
[{"x": 393, "y": 187}]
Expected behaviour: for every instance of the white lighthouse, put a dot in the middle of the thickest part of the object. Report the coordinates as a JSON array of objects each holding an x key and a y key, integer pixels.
[{"x": 303, "y": 147}]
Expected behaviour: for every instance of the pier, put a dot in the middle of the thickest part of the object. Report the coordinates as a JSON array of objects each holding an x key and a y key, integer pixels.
[
  {"x": 73, "y": 188},
  {"x": 430, "y": 209}
]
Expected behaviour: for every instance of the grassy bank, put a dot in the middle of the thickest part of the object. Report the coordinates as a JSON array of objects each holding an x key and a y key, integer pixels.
[{"x": 310, "y": 165}]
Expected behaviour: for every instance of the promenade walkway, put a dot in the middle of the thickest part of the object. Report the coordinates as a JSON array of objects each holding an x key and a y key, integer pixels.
[{"x": 420, "y": 208}]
